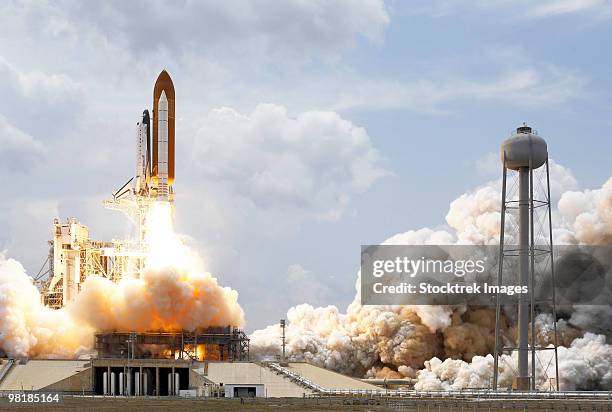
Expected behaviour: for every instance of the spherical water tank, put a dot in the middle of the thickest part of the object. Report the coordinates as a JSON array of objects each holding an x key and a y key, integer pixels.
[{"x": 516, "y": 149}]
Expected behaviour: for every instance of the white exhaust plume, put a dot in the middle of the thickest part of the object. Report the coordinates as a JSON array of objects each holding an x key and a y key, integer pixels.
[
  {"x": 172, "y": 293},
  {"x": 588, "y": 214},
  {"x": 585, "y": 364},
  {"x": 27, "y": 327},
  {"x": 392, "y": 341},
  {"x": 587, "y": 219}
]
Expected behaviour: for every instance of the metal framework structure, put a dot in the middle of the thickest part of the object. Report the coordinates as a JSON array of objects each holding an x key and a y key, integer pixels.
[
  {"x": 211, "y": 344},
  {"x": 527, "y": 200},
  {"x": 73, "y": 256},
  {"x": 135, "y": 206}
]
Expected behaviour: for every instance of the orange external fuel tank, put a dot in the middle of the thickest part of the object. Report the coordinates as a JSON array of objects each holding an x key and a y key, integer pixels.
[{"x": 163, "y": 84}]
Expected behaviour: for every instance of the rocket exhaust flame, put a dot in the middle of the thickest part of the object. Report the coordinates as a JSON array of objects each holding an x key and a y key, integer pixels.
[{"x": 164, "y": 246}]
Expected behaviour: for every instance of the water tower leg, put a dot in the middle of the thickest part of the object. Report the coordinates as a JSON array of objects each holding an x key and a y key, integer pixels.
[
  {"x": 498, "y": 345},
  {"x": 522, "y": 381}
]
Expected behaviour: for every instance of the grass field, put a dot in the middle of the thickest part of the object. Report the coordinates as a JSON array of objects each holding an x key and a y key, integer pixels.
[{"x": 298, "y": 404}]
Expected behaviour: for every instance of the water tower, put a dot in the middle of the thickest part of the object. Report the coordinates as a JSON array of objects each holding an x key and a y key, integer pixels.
[{"x": 526, "y": 256}]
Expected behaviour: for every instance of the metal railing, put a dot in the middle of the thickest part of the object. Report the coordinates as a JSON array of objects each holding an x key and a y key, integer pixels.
[
  {"x": 470, "y": 394},
  {"x": 5, "y": 370},
  {"x": 296, "y": 377},
  {"x": 482, "y": 394}
]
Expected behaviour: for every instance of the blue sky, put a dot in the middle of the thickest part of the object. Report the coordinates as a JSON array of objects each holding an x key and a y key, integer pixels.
[{"x": 304, "y": 129}]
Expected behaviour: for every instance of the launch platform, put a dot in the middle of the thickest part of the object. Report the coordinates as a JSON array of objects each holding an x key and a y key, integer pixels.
[{"x": 211, "y": 344}]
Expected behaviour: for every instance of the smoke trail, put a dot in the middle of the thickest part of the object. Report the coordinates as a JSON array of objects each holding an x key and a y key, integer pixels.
[
  {"x": 172, "y": 293},
  {"x": 392, "y": 341}
]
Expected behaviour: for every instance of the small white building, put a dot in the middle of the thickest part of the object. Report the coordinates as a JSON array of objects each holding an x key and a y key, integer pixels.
[{"x": 244, "y": 390}]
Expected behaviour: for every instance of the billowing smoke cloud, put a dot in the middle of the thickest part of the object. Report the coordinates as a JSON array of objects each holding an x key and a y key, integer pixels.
[
  {"x": 166, "y": 299},
  {"x": 26, "y": 326},
  {"x": 409, "y": 341},
  {"x": 161, "y": 299},
  {"x": 355, "y": 342},
  {"x": 173, "y": 293},
  {"x": 585, "y": 364},
  {"x": 586, "y": 218},
  {"x": 588, "y": 214}
]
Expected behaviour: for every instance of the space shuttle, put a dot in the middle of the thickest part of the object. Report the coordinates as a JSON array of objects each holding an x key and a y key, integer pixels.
[
  {"x": 154, "y": 178},
  {"x": 143, "y": 155}
]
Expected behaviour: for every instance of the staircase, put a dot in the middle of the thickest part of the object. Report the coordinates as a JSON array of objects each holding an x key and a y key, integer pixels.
[{"x": 296, "y": 378}]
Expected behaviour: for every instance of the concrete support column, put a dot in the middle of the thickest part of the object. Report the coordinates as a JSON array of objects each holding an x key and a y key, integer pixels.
[
  {"x": 157, "y": 381},
  {"x": 174, "y": 390}
]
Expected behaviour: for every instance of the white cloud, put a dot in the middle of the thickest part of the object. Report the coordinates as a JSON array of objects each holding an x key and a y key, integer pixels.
[
  {"x": 241, "y": 54},
  {"x": 32, "y": 100},
  {"x": 13, "y": 139},
  {"x": 518, "y": 9},
  {"x": 18, "y": 149},
  {"x": 552, "y": 8},
  {"x": 25, "y": 228},
  {"x": 50, "y": 88},
  {"x": 290, "y": 27},
  {"x": 305, "y": 286},
  {"x": 310, "y": 164},
  {"x": 37, "y": 86},
  {"x": 534, "y": 85},
  {"x": 489, "y": 164}
]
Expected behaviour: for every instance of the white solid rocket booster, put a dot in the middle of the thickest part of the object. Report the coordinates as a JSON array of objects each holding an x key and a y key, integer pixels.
[
  {"x": 141, "y": 157},
  {"x": 162, "y": 147}
]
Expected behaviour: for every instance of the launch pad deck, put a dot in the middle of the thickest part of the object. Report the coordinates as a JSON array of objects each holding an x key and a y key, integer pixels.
[{"x": 211, "y": 344}]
